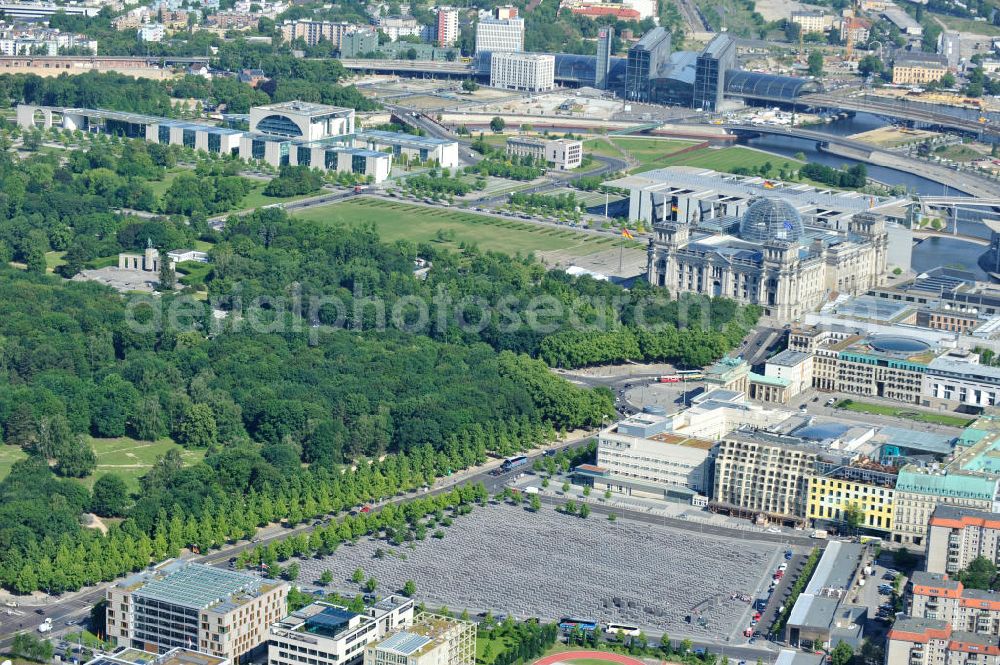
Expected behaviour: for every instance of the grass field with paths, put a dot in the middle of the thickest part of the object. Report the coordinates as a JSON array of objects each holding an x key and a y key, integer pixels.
[{"x": 396, "y": 220}]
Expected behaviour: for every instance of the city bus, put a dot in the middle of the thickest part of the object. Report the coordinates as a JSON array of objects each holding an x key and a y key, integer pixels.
[
  {"x": 623, "y": 628},
  {"x": 568, "y": 625}
]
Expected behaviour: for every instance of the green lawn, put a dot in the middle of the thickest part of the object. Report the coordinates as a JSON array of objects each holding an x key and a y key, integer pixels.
[
  {"x": 193, "y": 273},
  {"x": 904, "y": 412},
  {"x": 968, "y": 25},
  {"x": 651, "y": 153},
  {"x": 255, "y": 199},
  {"x": 737, "y": 16},
  {"x": 601, "y": 146},
  {"x": 9, "y": 455},
  {"x": 159, "y": 187},
  {"x": 726, "y": 159},
  {"x": 131, "y": 459},
  {"x": 87, "y": 638},
  {"x": 494, "y": 647},
  {"x": 395, "y": 220},
  {"x": 53, "y": 260},
  {"x": 959, "y": 153}
]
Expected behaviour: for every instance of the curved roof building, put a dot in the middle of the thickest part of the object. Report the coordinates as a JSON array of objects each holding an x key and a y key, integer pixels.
[
  {"x": 757, "y": 85},
  {"x": 771, "y": 219}
]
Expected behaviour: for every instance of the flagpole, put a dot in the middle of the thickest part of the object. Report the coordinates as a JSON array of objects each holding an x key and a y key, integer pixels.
[{"x": 621, "y": 250}]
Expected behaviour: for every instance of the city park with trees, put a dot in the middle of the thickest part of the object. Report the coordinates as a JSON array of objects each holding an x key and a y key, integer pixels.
[{"x": 291, "y": 426}]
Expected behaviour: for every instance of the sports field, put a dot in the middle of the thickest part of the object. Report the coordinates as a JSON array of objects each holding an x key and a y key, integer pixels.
[
  {"x": 587, "y": 657},
  {"x": 395, "y": 220}
]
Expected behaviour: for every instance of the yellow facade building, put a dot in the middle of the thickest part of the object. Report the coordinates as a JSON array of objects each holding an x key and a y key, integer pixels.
[
  {"x": 830, "y": 498},
  {"x": 918, "y": 68}
]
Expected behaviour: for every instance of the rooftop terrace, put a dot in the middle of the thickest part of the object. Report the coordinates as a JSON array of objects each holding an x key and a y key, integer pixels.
[{"x": 681, "y": 440}]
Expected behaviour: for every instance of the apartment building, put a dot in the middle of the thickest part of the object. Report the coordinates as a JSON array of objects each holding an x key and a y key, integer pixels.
[
  {"x": 500, "y": 33},
  {"x": 868, "y": 491},
  {"x": 813, "y": 21},
  {"x": 175, "y": 20},
  {"x": 324, "y": 634},
  {"x": 151, "y": 32},
  {"x": 957, "y": 536},
  {"x": 220, "y": 612},
  {"x": 855, "y": 30},
  {"x": 447, "y": 26},
  {"x": 431, "y": 640},
  {"x": 313, "y": 32},
  {"x": 763, "y": 475},
  {"x": 936, "y": 596},
  {"x": 913, "y": 641},
  {"x": 528, "y": 72},
  {"x": 401, "y": 26},
  {"x": 920, "y": 491}
]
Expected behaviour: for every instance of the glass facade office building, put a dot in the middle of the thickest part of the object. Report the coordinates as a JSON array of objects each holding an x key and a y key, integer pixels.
[
  {"x": 710, "y": 72},
  {"x": 643, "y": 63},
  {"x": 605, "y": 37}
]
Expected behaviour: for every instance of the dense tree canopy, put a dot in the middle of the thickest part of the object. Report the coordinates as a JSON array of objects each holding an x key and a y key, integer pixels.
[{"x": 318, "y": 374}]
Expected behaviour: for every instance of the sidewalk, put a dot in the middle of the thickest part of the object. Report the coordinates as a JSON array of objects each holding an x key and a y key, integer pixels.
[
  {"x": 666, "y": 509},
  {"x": 276, "y": 530}
]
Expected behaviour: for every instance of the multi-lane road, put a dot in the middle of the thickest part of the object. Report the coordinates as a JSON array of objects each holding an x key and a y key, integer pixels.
[{"x": 76, "y": 606}]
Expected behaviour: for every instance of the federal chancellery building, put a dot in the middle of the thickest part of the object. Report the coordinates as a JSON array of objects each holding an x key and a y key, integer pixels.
[{"x": 290, "y": 133}]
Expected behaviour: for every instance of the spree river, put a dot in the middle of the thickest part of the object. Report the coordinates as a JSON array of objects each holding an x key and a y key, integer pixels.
[{"x": 928, "y": 254}]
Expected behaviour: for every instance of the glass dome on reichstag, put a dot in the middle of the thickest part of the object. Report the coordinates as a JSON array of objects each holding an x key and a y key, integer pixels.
[{"x": 771, "y": 219}]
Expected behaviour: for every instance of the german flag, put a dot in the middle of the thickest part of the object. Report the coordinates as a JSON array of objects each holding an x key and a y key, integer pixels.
[
  {"x": 768, "y": 184},
  {"x": 628, "y": 234}
]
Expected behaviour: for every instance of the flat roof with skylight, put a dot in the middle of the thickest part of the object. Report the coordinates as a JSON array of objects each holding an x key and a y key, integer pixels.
[
  {"x": 198, "y": 586},
  {"x": 310, "y": 109}
]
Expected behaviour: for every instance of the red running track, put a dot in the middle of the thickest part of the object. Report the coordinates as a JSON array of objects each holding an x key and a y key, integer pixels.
[{"x": 595, "y": 655}]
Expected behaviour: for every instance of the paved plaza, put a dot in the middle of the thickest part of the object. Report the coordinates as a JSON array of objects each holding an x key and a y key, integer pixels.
[{"x": 511, "y": 561}]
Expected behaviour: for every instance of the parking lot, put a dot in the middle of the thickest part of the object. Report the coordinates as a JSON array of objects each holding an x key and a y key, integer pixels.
[
  {"x": 508, "y": 560},
  {"x": 782, "y": 592}
]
